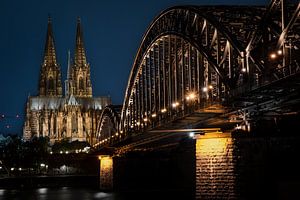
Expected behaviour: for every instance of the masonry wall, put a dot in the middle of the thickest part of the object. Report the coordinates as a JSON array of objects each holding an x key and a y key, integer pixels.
[{"x": 248, "y": 168}]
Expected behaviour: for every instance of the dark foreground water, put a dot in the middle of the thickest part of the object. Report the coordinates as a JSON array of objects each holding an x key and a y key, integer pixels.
[{"x": 68, "y": 193}]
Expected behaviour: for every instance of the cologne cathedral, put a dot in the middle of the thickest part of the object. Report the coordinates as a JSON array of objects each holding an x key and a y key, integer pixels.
[{"x": 72, "y": 116}]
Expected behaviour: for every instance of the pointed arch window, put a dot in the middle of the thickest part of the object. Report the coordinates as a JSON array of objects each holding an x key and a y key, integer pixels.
[
  {"x": 81, "y": 85},
  {"x": 50, "y": 83},
  {"x": 74, "y": 124}
]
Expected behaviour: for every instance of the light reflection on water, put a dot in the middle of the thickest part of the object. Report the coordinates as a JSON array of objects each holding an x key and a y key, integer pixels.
[
  {"x": 68, "y": 193},
  {"x": 63, "y": 193}
]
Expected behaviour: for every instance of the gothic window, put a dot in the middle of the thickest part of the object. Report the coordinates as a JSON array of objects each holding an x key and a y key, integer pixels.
[
  {"x": 74, "y": 124},
  {"x": 50, "y": 83},
  {"x": 81, "y": 83}
]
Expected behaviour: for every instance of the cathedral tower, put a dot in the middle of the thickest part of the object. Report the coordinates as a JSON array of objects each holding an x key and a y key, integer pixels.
[
  {"x": 50, "y": 77},
  {"x": 81, "y": 85}
]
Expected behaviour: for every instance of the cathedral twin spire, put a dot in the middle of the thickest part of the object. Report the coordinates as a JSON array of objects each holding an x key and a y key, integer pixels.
[{"x": 78, "y": 81}]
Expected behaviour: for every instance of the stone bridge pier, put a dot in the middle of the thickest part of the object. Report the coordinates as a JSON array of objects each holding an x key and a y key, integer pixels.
[{"x": 210, "y": 166}]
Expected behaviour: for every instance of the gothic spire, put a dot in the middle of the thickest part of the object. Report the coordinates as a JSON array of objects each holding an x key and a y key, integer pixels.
[
  {"x": 80, "y": 58},
  {"x": 49, "y": 53},
  {"x": 50, "y": 76},
  {"x": 81, "y": 83}
]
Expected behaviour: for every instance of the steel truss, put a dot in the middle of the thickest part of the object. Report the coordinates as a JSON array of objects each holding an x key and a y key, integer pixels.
[{"x": 191, "y": 56}]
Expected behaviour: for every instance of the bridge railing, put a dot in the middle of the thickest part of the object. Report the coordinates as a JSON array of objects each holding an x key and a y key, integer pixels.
[{"x": 274, "y": 75}]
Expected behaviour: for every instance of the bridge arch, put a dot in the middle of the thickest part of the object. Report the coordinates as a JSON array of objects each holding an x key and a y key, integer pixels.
[
  {"x": 184, "y": 52},
  {"x": 107, "y": 128},
  {"x": 190, "y": 56}
]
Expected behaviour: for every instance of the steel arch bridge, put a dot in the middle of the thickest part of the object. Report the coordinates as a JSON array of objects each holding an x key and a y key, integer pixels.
[{"x": 193, "y": 55}]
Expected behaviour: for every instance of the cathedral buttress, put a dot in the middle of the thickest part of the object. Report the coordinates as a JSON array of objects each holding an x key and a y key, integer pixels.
[{"x": 50, "y": 76}]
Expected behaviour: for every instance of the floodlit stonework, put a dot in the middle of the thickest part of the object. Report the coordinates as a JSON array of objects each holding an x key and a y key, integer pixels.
[{"x": 75, "y": 114}]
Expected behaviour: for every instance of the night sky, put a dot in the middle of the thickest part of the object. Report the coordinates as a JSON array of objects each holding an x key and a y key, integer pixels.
[{"x": 112, "y": 33}]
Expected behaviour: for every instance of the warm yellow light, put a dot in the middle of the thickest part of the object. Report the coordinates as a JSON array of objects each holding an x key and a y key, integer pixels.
[
  {"x": 174, "y": 105},
  {"x": 243, "y": 69},
  {"x": 163, "y": 110},
  {"x": 191, "y": 96},
  {"x": 138, "y": 123},
  {"x": 212, "y": 151},
  {"x": 210, "y": 87},
  {"x": 153, "y": 115},
  {"x": 106, "y": 171},
  {"x": 208, "y": 145},
  {"x": 279, "y": 52},
  {"x": 273, "y": 55},
  {"x": 145, "y": 119},
  {"x": 204, "y": 89}
]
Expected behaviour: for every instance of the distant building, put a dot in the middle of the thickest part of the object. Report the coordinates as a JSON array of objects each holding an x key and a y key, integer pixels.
[{"x": 73, "y": 116}]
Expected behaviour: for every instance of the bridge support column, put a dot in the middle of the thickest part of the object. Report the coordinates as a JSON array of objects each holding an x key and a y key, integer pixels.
[
  {"x": 215, "y": 176},
  {"x": 106, "y": 172}
]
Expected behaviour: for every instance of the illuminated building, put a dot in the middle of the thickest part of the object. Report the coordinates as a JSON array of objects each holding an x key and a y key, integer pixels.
[{"x": 73, "y": 115}]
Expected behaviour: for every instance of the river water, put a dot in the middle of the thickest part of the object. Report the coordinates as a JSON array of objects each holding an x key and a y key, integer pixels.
[{"x": 69, "y": 193}]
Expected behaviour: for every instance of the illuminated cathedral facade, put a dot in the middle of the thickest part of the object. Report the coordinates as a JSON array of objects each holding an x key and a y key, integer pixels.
[{"x": 71, "y": 116}]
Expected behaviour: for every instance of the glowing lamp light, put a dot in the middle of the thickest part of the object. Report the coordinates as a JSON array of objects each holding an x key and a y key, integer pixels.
[
  {"x": 210, "y": 87},
  {"x": 163, "y": 110},
  {"x": 279, "y": 52},
  {"x": 191, "y": 96},
  {"x": 145, "y": 119},
  {"x": 174, "y": 105},
  {"x": 42, "y": 165},
  {"x": 273, "y": 56},
  {"x": 243, "y": 69},
  {"x": 153, "y": 115},
  {"x": 204, "y": 89},
  {"x": 191, "y": 134}
]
